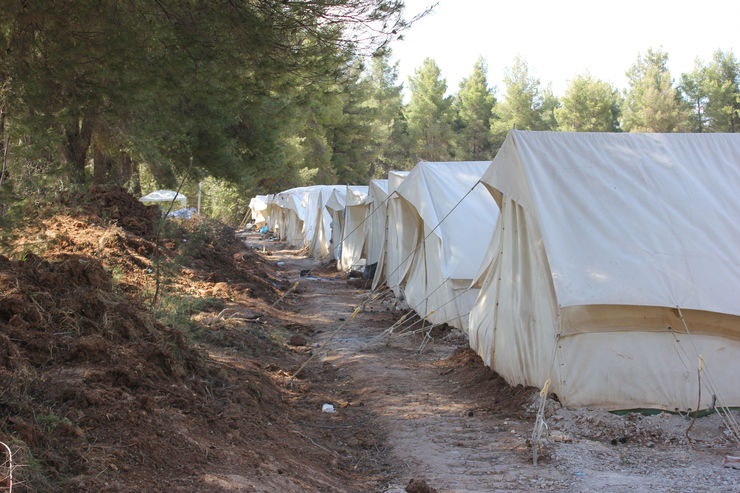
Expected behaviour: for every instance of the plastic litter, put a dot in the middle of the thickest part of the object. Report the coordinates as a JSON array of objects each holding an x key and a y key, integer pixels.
[
  {"x": 731, "y": 461},
  {"x": 327, "y": 408},
  {"x": 263, "y": 229},
  {"x": 184, "y": 213}
]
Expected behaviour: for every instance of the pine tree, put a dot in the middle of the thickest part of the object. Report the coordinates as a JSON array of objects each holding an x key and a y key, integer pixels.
[
  {"x": 589, "y": 105},
  {"x": 722, "y": 85},
  {"x": 652, "y": 104},
  {"x": 429, "y": 114},
  {"x": 474, "y": 104},
  {"x": 389, "y": 131},
  {"x": 526, "y": 106},
  {"x": 693, "y": 88}
]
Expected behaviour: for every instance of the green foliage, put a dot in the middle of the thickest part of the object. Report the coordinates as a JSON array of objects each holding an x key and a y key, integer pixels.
[
  {"x": 176, "y": 310},
  {"x": 228, "y": 86},
  {"x": 589, "y": 105},
  {"x": 257, "y": 97},
  {"x": 223, "y": 201},
  {"x": 429, "y": 114},
  {"x": 694, "y": 92},
  {"x": 722, "y": 85},
  {"x": 51, "y": 421},
  {"x": 651, "y": 103},
  {"x": 526, "y": 106},
  {"x": 389, "y": 132},
  {"x": 474, "y": 104}
]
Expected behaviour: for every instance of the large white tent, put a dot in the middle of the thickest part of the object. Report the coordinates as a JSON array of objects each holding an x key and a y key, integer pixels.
[
  {"x": 356, "y": 227},
  {"x": 302, "y": 219},
  {"x": 336, "y": 207},
  {"x": 258, "y": 208},
  {"x": 614, "y": 266},
  {"x": 395, "y": 178},
  {"x": 438, "y": 232},
  {"x": 375, "y": 224},
  {"x": 289, "y": 213}
]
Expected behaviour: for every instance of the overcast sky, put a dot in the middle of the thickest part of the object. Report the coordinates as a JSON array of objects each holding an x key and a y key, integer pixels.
[{"x": 562, "y": 38}]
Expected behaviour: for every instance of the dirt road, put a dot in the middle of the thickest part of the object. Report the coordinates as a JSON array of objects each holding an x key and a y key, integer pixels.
[{"x": 445, "y": 418}]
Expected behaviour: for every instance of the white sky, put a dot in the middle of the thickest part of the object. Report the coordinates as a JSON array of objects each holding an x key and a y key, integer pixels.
[{"x": 562, "y": 38}]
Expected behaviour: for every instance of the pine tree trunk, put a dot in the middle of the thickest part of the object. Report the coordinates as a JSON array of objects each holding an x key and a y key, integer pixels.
[
  {"x": 3, "y": 151},
  {"x": 76, "y": 145},
  {"x": 100, "y": 165},
  {"x": 135, "y": 178},
  {"x": 125, "y": 170}
]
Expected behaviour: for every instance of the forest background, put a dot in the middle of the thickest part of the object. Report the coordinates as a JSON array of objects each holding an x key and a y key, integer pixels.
[{"x": 257, "y": 97}]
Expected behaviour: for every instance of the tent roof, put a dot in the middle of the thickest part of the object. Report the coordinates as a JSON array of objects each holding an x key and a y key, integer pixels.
[
  {"x": 356, "y": 195},
  {"x": 164, "y": 196},
  {"x": 258, "y": 202},
  {"x": 631, "y": 219},
  {"x": 378, "y": 186},
  {"x": 434, "y": 189},
  {"x": 395, "y": 178}
]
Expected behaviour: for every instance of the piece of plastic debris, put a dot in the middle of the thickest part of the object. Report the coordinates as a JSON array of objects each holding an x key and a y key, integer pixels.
[
  {"x": 280, "y": 262},
  {"x": 327, "y": 408},
  {"x": 731, "y": 461},
  {"x": 579, "y": 474}
]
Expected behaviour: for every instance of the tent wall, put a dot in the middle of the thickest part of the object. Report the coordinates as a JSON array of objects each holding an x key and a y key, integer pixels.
[
  {"x": 438, "y": 231},
  {"x": 375, "y": 225},
  {"x": 601, "y": 239},
  {"x": 258, "y": 208},
  {"x": 514, "y": 322},
  {"x": 355, "y": 233},
  {"x": 391, "y": 208}
]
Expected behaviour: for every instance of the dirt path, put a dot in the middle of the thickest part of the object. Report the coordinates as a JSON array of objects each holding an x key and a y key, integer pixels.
[{"x": 448, "y": 420}]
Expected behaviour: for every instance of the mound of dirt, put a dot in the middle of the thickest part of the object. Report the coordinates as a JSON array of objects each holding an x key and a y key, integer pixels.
[
  {"x": 76, "y": 360},
  {"x": 475, "y": 376},
  {"x": 96, "y": 394},
  {"x": 419, "y": 486},
  {"x": 111, "y": 202}
]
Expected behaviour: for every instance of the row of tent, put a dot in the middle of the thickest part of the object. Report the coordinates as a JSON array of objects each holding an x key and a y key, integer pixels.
[{"x": 608, "y": 264}]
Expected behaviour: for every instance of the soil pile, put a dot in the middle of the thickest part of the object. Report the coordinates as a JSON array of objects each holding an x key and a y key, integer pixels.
[
  {"x": 113, "y": 203},
  {"x": 97, "y": 394},
  {"x": 476, "y": 377},
  {"x": 80, "y": 364}
]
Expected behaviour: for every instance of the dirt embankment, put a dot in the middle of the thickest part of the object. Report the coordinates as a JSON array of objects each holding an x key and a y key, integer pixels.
[{"x": 99, "y": 391}]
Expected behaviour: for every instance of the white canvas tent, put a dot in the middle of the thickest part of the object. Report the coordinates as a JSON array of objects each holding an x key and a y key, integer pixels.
[
  {"x": 289, "y": 215},
  {"x": 336, "y": 205},
  {"x": 606, "y": 245},
  {"x": 375, "y": 225},
  {"x": 164, "y": 196},
  {"x": 380, "y": 234},
  {"x": 302, "y": 219},
  {"x": 433, "y": 275},
  {"x": 364, "y": 228},
  {"x": 258, "y": 208},
  {"x": 354, "y": 232}
]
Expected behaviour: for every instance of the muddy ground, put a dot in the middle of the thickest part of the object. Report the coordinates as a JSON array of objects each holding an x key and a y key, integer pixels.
[{"x": 443, "y": 417}]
